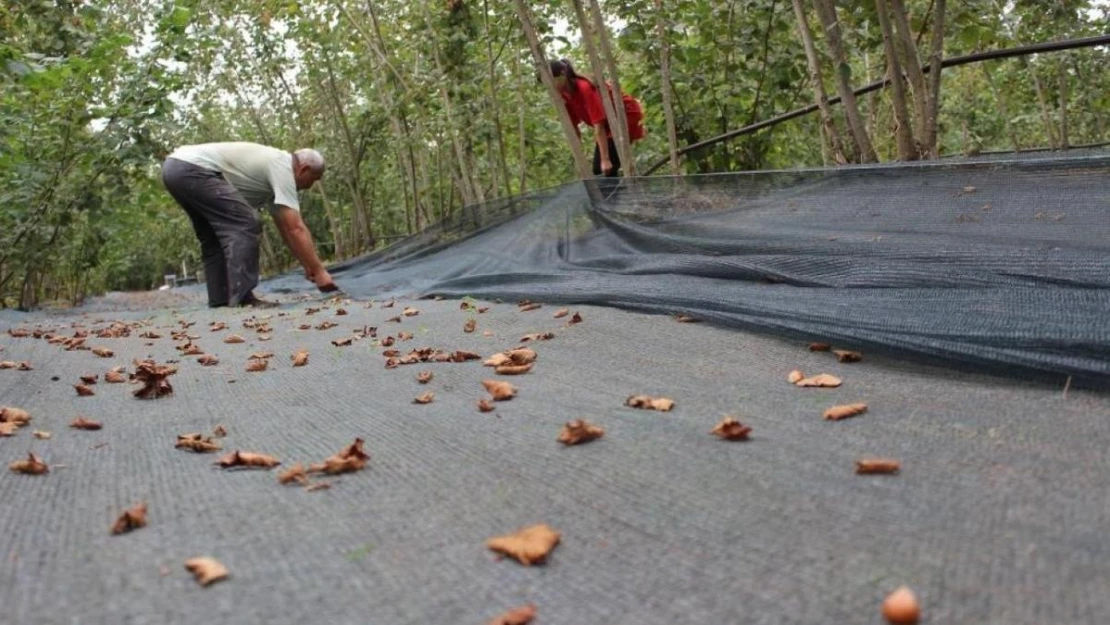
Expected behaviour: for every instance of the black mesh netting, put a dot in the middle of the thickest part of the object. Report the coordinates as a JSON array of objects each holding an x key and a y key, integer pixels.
[{"x": 1001, "y": 263}]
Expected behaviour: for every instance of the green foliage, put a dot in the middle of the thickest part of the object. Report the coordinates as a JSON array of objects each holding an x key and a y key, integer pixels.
[{"x": 422, "y": 105}]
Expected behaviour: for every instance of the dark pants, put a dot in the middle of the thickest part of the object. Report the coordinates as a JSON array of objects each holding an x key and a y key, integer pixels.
[
  {"x": 226, "y": 226},
  {"x": 609, "y": 183},
  {"x": 614, "y": 158}
]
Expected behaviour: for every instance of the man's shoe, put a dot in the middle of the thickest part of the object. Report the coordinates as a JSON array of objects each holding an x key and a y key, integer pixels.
[{"x": 254, "y": 301}]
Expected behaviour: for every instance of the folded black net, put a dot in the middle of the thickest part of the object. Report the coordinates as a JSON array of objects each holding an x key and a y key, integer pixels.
[{"x": 999, "y": 263}]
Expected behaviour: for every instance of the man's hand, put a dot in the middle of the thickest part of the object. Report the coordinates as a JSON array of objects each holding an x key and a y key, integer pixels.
[
  {"x": 606, "y": 166},
  {"x": 324, "y": 281}
]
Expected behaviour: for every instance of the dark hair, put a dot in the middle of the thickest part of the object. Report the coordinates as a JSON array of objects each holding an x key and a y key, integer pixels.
[{"x": 563, "y": 67}]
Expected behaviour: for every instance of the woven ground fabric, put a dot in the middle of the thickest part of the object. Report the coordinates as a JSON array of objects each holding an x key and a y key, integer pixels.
[
  {"x": 1000, "y": 264},
  {"x": 998, "y": 516}
]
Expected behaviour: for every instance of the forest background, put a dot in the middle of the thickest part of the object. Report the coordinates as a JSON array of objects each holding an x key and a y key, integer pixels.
[{"x": 422, "y": 107}]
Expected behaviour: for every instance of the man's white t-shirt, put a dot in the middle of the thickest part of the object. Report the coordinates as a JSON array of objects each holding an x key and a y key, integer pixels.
[{"x": 261, "y": 174}]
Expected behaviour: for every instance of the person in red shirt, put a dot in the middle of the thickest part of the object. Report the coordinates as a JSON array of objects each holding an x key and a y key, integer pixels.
[{"x": 583, "y": 102}]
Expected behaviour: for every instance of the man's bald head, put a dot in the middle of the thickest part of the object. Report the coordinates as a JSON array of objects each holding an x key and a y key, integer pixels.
[{"x": 308, "y": 167}]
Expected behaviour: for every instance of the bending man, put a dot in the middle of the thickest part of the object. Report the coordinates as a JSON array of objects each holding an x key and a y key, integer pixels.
[{"x": 222, "y": 187}]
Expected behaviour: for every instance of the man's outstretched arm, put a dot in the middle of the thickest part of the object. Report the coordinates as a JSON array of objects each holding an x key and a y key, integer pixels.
[{"x": 299, "y": 240}]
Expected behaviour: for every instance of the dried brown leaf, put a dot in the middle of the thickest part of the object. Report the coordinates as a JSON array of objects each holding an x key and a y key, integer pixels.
[
  {"x": 197, "y": 443},
  {"x": 461, "y": 355},
  {"x": 470, "y": 325},
  {"x": 248, "y": 459},
  {"x": 685, "y": 319},
  {"x": 206, "y": 570},
  {"x": 300, "y": 359},
  {"x": 530, "y": 545},
  {"x": 89, "y": 378},
  {"x": 795, "y": 376},
  {"x": 731, "y": 430},
  {"x": 868, "y": 466},
  {"x": 234, "y": 338},
  {"x": 254, "y": 366},
  {"x": 7, "y": 364},
  {"x": 482, "y": 309},
  {"x": 115, "y": 377},
  {"x": 8, "y": 429},
  {"x": 315, "y": 486},
  {"x": 537, "y": 336},
  {"x": 425, "y": 398},
  {"x": 497, "y": 360},
  {"x": 819, "y": 347},
  {"x": 530, "y": 306},
  {"x": 154, "y": 380},
  {"x": 295, "y": 473},
  {"x": 517, "y": 616},
  {"x": 821, "y": 380},
  {"x": 424, "y": 377},
  {"x": 513, "y": 369},
  {"x": 219, "y": 431},
  {"x": 575, "y": 318},
  {"x": 326, "y": 325},
  {"x": 646, "y": 402},
  {"x": 579, "y": 431},
  {"x": 354, "y": 450},
  {"x": 500, "y": 391},
  {"x": 132, "y": 519},
  {"x": 521, "y": 356},
  {"x": 343, "y": 342},
  {"x": 484, "y": 405},
  {"x": 103, "y": 352},
  {"x": 404, "y": 336},
  {"x": 396, "y": 319},
  {"x": 389, "y": 304},
  {"x": 836, "y": 413},
  {"x": 339, "y": 312},
  {"x": 17, "y": 416},
  {"x": 33, "y": 465},
  {"x": 192, "y": 349},
  {"x": 39, "y": 434},
  {"x": 261, "y": 355},
  {"x": 24, "y": 366},
  {"x": 81, "y": 423},
  {"x": 217, "y": 326},
  {"x": 208, "y": 360},
  {"x": 84, "y": 391},
  {"x": 562, "y": 312},
  {"x": 410, "y": 312},
  {"x": 844, "y": 355},
  {"x": 387, "y": 341},
  {"x": 350, "y": 458}
]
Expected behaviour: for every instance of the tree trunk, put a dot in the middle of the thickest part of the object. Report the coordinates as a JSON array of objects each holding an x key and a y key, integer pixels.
[
  {"x": 903, "y": 134},
  {"x": 622, "y": 139},
  {"x": 522, "y": 135},
  {"x": 1042, "y": 100},
  {"x": 580, "y": 163},
  {"x": 1063, "y": 88},
  {"x": 618, "y": 130},
  {"x": 929, "y": 146},
  {"x": 494, "y": 106},
  {"x": 1092, "y": 107},
  {"x": 466, "y": 182},
  {"x": 826, "y": 11},
  {"x": 336, "y": 230},
  {"x": 665, "y": 75},
  {"x": 1003, "y": 108},
  {"x": 813, "y": 62},
  {"x": 904, "y": 40}
]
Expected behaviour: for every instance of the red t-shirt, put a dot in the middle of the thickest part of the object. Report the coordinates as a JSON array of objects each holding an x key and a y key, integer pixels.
[{"x": 584, "y": 106}]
